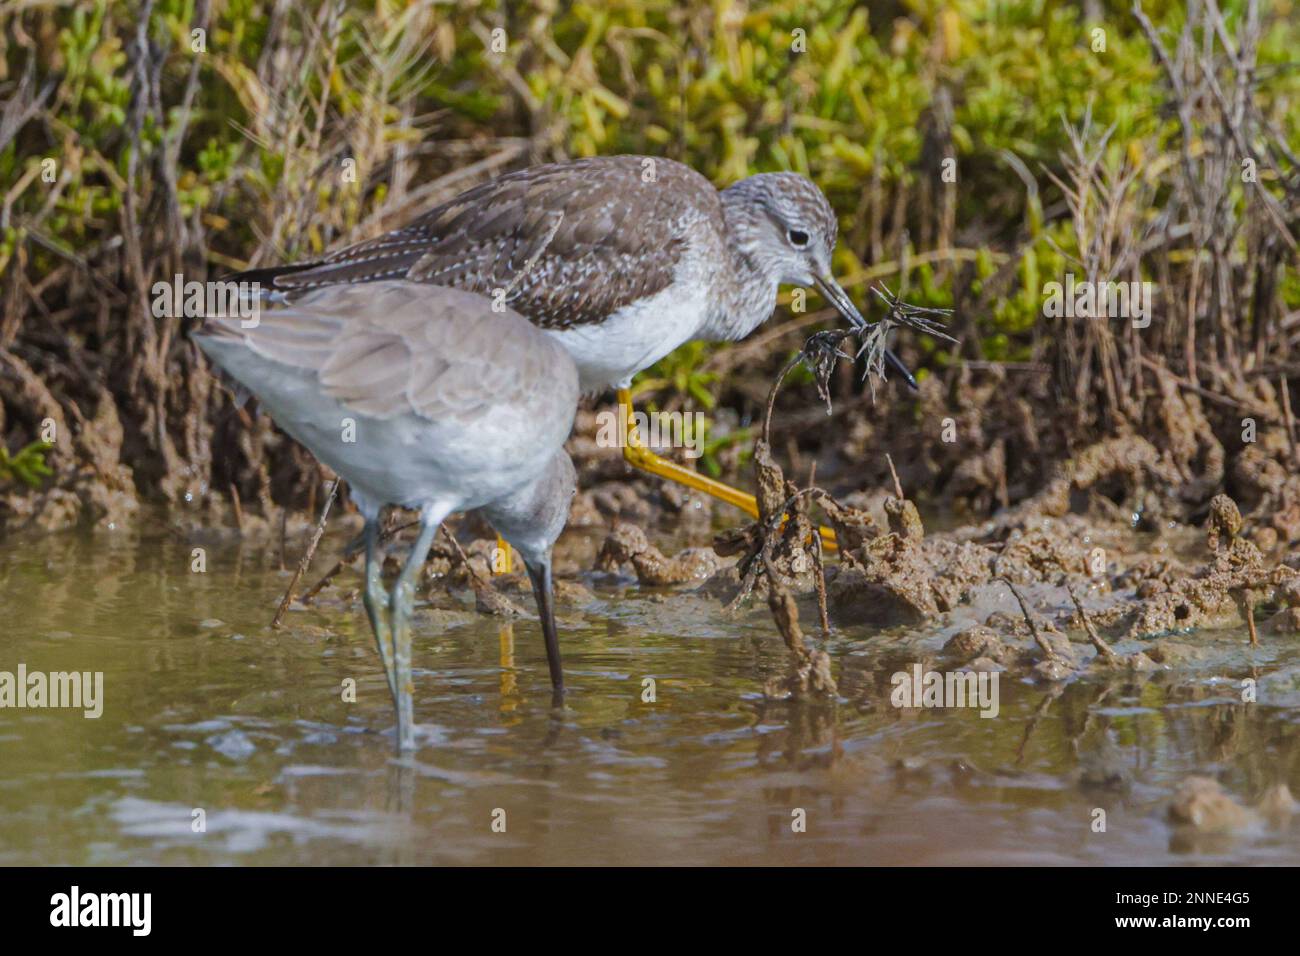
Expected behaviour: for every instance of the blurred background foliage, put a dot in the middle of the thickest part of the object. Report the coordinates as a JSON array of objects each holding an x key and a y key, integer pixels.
[{"x": 142, "y": 139}]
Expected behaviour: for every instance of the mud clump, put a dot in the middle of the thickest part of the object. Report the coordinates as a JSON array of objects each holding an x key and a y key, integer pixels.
[
  {"x": 1288, "y": 591},
  {"x": 904, "y": 519},
  {"x": 1224, "y": 524},
  {"x": 903, "y": 577},
  {"x": 93, "y": 486},
  {"x": 1233, "y": 581},
  {"x": 1264, "y": 476},
  {"x": 1036, "y": 645},
  {"x": 1202, "y": 802},
  {"x": 1204, "y": 805},
  {"x": 1122, "y": 467},
  {"x": 980, "y": 648},
  {"x": 960, "y": 568},
  {"x": 610, "y": 501},
  {"x": 628, "y": 544},
  {"x": 104, "y": 484},
  {"x": 886, "y": 583},
  {"x": 56, "y": 510},
  {"x": 1187, "y": 604},
  {"x": 1043, "y": 551},
  {"x": 1285, "y": 621}
]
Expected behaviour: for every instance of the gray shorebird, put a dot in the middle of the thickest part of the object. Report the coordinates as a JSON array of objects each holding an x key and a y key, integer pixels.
[
  {"x": 452, "y": 406},
  {"x": 620, "y": 259}
]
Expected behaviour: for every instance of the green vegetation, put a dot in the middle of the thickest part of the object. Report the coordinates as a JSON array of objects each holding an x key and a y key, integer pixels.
[{"x": 28, "y": 466}]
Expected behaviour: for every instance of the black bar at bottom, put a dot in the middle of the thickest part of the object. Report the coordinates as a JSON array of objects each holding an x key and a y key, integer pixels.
[{"x": 756, "y": 906}]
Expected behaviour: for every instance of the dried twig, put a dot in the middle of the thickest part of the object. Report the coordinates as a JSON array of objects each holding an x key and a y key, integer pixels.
[
  {"x": 239, "y": 508},
  {"x": 307, "y": 555},
  {"x": 898, "y": 485},
  {"x": 1102, "y": 647},
  {"x": 1029, "y": 619},
  {"x": 874, "y": 338},
  {"x": 350, "y": 554}
]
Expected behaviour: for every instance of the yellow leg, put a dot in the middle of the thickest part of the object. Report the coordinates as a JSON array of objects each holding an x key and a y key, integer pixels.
[
  {"x": 642, "y": 458},
  {"x": 507, "y": 563}
]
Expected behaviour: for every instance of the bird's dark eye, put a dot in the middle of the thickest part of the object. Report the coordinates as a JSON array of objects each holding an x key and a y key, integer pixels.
[{"x": 798, "y": 238}]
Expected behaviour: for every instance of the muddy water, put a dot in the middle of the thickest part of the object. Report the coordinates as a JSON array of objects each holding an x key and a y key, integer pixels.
[{"x": 207, "y": 709}]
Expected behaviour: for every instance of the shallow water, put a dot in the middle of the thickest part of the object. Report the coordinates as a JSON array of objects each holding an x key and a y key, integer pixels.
[{"x": 207, "y": 708}]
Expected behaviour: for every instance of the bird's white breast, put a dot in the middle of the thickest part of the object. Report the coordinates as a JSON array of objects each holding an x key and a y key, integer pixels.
[{"x": 610, "y": 352}]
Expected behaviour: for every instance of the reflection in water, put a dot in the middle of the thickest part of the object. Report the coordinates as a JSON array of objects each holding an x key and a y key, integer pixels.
[
  {"x": 208, "y": 709},
  {"x": 509, "y": 679}
]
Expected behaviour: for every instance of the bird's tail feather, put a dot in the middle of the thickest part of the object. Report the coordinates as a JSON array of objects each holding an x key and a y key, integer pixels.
[{"x": 266, "y": 278}]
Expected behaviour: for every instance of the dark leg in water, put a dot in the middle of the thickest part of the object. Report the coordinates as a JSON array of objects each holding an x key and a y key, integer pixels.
[{"x": 543, "y": 591}]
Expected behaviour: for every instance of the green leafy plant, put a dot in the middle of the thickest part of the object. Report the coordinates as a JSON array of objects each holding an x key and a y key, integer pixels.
[{"x": 28, "y": 466}]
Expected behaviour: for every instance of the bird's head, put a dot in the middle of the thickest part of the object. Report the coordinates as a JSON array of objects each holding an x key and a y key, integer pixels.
[
  {"x": 786, "y": 227},
  {"x": 532, "y": 517}
]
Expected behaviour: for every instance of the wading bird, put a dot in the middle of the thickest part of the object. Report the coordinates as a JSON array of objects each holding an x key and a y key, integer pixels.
[
  {"x": 428, "y": 398},
  {"x": 621, "y": 259}
]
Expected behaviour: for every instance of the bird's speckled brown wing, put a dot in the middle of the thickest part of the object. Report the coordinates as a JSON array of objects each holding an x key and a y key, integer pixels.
[
  {"x": 389, "y": 348},
  {"x": 570, "y": 243}
]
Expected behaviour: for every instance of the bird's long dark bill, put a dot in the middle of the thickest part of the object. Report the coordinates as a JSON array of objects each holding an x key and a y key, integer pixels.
[
  {"x": 543, "y": 591},
  {"x": 834, "y": 293}
]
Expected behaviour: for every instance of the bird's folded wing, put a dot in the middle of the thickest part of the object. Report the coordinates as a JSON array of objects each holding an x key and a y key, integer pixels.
[
  {"x": 385, "y": 349},
  {"x": 565, "y": 245}
]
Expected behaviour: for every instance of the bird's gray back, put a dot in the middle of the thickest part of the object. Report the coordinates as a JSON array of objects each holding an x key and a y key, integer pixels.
[{"x": 391, "y": 348}]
